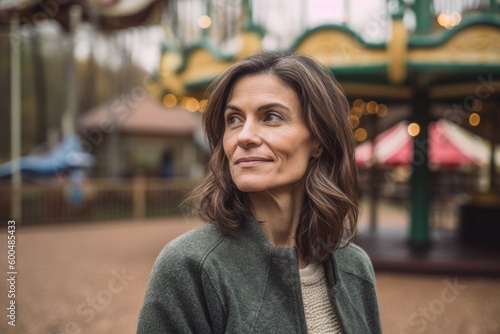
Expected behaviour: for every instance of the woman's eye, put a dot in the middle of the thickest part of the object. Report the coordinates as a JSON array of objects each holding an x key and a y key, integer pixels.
[
  {"x": 273, "y": 117},
  {"x": 232, "y": 119}
]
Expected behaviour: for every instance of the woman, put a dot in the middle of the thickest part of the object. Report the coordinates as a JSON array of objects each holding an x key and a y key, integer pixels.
[{"x": 282, "y": 198}]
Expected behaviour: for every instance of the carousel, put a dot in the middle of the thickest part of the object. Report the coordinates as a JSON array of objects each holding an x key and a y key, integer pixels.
[{"x": 425, "y": 71}]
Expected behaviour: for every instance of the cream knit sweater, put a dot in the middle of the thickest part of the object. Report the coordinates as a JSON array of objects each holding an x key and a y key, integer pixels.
[{"x": 320, "y": 316}]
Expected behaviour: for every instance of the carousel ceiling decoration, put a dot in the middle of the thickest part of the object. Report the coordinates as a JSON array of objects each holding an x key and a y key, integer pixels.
[{"x": 106, "y": 14}]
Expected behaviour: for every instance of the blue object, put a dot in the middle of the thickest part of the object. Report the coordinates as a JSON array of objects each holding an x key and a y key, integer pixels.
[{"x": 66, "y": 157}]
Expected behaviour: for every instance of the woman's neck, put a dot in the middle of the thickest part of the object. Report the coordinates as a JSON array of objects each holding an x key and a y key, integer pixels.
[{"x": 279, "y": 212}]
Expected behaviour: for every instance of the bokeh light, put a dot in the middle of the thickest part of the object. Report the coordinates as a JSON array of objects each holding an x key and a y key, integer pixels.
[
  {"x": 360, "y": 134},
  {"x": 204, "y": 21},
  {"x": 356, "y": 111},
  {"x": 203, "y": 105},
  {"x": 444, "y": 20},
  {"x": 382, "y": 110},
  {"x": 455, "y": 18},
  {"x": 169, "y": 100},
  {"x": 449, "y": 20},
  {"x": 413, "y": 129},
  {"x": 358, "y": 103},
  {"x": 354, "y": 121},
  {"x": 192, "y": 104},
  {"x": 474, "y": 119},
  {"x": 371, "y": 107}
]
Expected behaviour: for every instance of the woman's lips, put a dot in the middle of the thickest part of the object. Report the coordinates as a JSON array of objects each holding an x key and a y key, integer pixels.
[{"x": 250, "y": 161}]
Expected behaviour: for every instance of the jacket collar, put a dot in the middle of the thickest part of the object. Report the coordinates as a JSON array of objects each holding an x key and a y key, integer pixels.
[{"x": 253, "y": 229}]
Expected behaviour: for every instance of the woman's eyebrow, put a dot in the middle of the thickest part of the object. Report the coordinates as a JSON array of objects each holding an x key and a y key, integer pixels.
[
  {"x": 263, "y": 107},
  {"x": 230, "y": 106},
  {"x": 273, "y": 105}
]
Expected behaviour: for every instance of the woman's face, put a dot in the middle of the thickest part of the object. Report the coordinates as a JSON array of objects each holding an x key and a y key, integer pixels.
[{"x": 266, "y": 141}]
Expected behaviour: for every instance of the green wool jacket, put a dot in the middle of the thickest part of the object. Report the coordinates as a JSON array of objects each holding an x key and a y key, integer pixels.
[{"x": 206, "y": 282}]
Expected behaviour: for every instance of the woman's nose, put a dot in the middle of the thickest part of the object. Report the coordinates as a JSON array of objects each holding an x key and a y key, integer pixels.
[{"x": 249, "y": 135}]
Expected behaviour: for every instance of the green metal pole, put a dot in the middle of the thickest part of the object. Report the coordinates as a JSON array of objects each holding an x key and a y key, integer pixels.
[
  {"x": 247, "y": 14},
  {"x": 207, "y": 11},
  {"x": 398, "y": 11},
  {"x": 424, "y": 14},
  {"x": 493, "y": 6},
  {"x": 250, "y": 10},
  {"x": 420, "y": 178}
]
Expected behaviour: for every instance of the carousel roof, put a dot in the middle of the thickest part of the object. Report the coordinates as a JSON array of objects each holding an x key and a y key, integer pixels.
[{"x": 108, "y": 14}]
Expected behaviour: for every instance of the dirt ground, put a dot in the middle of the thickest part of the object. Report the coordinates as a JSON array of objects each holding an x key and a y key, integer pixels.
[{"x": 90, "y": 278}]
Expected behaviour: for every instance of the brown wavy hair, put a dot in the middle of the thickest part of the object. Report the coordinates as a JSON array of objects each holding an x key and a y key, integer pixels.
[{"x": 330, "y": 210}]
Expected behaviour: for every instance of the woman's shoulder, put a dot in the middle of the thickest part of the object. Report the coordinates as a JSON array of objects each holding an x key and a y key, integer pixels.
[
  {"x": 190, "y": 249},
  {"x": 353, "y": 260}
]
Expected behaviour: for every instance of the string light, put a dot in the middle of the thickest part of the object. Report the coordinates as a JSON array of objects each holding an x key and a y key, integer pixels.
[
  {"x": 354, "y": 121},
  {"x": 413, "y": 129},
  {"x": 192, "y": 104},
  {"x": 358, "y": 103},
  {"x": 449, "y": 20},
  {"x": 444, "y": 19},
  {"x": 169, "y": 100},
  {"x": 203, "y": 105},
  {"x": 204, "y": 21},
  {"x": 360, "y": 135},
  {"x": 474, "y": 119},
  {"x": 455, "y": 18},
  {"x": 185, "y": 102},
  {"x": 371, "y": 107},
  {"x": 356, "y": 111},
  {"x": 382, "y": 110}
]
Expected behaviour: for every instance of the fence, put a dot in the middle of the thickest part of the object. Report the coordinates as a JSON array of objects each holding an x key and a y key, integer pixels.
[
  {"x": 139, "y": 198},
  {"x": 98, "y": 199}
]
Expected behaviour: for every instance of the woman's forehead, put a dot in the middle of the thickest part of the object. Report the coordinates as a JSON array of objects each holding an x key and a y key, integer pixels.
[{"x": 261, "y": 87}]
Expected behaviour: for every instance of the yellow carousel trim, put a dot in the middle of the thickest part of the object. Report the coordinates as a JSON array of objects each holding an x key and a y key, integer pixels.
[
  {"x": 479, "y": 44},
  {"x": 335, "y": 48}
]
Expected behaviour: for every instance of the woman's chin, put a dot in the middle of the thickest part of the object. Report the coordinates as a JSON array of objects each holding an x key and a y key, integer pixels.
[{"x": 250, "y": 187}]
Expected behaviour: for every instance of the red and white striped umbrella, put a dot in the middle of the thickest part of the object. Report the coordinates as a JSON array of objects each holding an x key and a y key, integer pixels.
[{"x": 448, "y": 145}]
